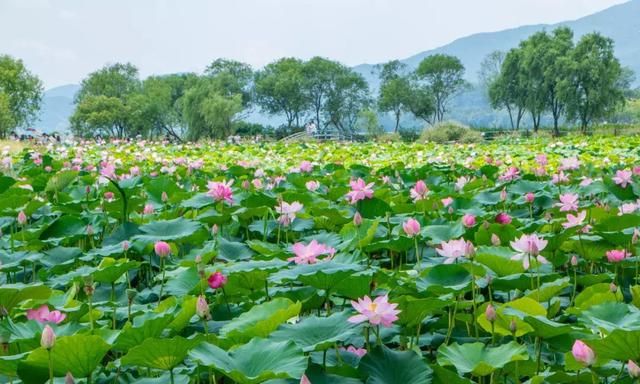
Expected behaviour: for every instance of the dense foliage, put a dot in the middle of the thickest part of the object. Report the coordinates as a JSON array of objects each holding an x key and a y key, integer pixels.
[{"x": 321, "y": 263}]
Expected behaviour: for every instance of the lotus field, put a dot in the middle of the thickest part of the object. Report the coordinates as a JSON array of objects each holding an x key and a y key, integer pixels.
[{"x": 321, "y": 263}]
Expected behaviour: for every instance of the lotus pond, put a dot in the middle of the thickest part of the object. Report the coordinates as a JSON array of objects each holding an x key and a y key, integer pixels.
[{"x": 321, "y": 263}]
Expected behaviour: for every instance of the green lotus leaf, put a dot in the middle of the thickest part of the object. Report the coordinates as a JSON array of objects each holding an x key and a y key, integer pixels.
[{"x": 479, "y": 359}]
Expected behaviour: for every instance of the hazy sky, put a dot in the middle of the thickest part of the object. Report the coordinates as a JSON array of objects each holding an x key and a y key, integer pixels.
[{"x": 63, "y": 40}]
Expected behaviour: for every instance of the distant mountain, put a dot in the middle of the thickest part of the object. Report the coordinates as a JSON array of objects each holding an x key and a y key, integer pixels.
[
  {"x": 57, "y": 106},
  {"x": 620, "y": 22}
]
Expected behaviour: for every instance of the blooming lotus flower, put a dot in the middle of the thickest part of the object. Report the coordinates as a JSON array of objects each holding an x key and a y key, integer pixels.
[
  {"x": 461, "y": 182},
  {"x": 48, "y": 338},
  {"x": 312, "y": 185},
  {"x": 468, "y": 220},
  {"x": 356, "y": 351},
  {"x": 541, "y": 159},
  {"x": 202, "y": 308},
  {"x": 529, "y": 197},
  {"x": 574, "y": 221},
  {"x": 359, "y": 191},
  {"x": 162, "y": 248},
  {"x": 306, "y": 166},
  {"x": 378, "y": 311},
  {"x": 623, "y": 178},
  {"x": 569, "y": 164},
  {"x": 43, "y": 315},
  {"x": 419, "y": 191},
  {"x": 503, "y": 218},
  {"x": 529, "y": 246},
  {"x": 568, "y": 202},
  {"x": 627, "y": 208},
  {"x": 447, "y": 201},
  {"x": 148, "y": 209},
  {"x": 108, "y": 170},
  {"x": 221, "y": 191},
  {"x": 288, "y": 212},
  {"x": 616, "y": 255},
  {"x": 582, "y": 353},
  {"x": 510, "y": 174},
  {"x": 257, "y": 183},
  {"x": 308, "y": 254},
  {"x": 411, "y": 227},
  {"x": 559, "y": 178},
  {"x": 455, "y": 249},
  {"x": 217, "y": 280},
  {"x": 586, "y": 182}
]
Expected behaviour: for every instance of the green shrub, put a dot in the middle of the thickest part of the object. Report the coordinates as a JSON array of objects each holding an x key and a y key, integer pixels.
[{"x": 450, "y": 131}]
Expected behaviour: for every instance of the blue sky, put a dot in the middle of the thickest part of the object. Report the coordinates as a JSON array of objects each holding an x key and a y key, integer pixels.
[{"x": 64, "y": 40}]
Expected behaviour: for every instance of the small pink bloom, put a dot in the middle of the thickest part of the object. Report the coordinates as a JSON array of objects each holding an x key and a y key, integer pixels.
[
  {"x": 633, "y": 369},
  {"x": 288, "y": 212},
  {"x": 108, "y": 196},
  {"x": 559, "y": 178},
  {"x": 529, "y": 197},
  {"x": 221, "y": 191},
  {"x": 164, "y": 197},
  {"x": 461, "y": 182},
  {"x": 490, "y": 313},
  {"x": 468, "y": 220},
  {"x": 447, "y": 201},
  {"x": 359, "y": 191},
  {"x": 574, "y": 260},
  {"x": 257, "y": 183},
  {"x": 217, "y": 280},
  {"x": 582, "y": 353},
  {"x": 357, "y": 219},
  {"x": 306, "y": 166},
  {"x": 202, "y": 308},
  {"x": 541, "y": 159},
  {"x": 162, "y": 248},
  {"x": 419, "y": 191},
  {"x": 569, "y": 164},
  {"x": 568, "y": 202},
  {"x": 148, "y": 209},
  {"x": 574, "y": 221},
  {"x": 586, "y": 182},
  {"x": 22, "y": 218},
  {"x": 305, "y": 380},
  {"x": 312, "y": 185},
  {"x": 356, "y": 351},
  {"x": 510, "y": 174},
  {"x": 529, "y": 246},
  {"x": 108, "y": 170},
  {"x": 623, "y": 177},
  {"x": 411, "y": 227},
  {"x": 308, "y": 254},
  {"x": 43, "y": 315},
  {"x": 616, "y": 255},
  {"x": 455, "y": 249},
  {"x": 495, "y": 240},
  {"x": 48, "y": 338},
  {"x": 378, "y": 311},
  {"x": 503, "y": 218}
]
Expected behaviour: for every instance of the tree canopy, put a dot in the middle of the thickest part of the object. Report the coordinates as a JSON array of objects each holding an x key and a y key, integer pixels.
[{"x": 20, "y": 95}]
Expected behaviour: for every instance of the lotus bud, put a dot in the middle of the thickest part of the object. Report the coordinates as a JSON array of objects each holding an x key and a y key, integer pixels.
[
  {"x": 574, "y": 260},
  {"x": 583, "y": 354},
  {"x": 68, "y": 379},
  {"x": 131, "y": 294},
  {"x": 48, "y": 339},
  {"x": 22, "y": 218},
  {"x": 162, "y": 249},
  {"x": 357, "y": 219},
  {"x": 246, "y": 184},
  {"x": 88, "y": 286},
  {"x": 529, "y": 197},
  {"x": 469, "y": 220},
  {"x": 164, "y": 197},
  {"x": 214, "y": 229},
  {"x": 490, "y": 313},
  {"x": 503, "y": 194},
  {"x": 613, "y": 288},
  {"x": 633, "y": 368},
  {"x": 495, "y": 240},
  {"x": 198, "y": 259},
  {"x": 202, "y": 308},
  {"x": 90, "y": 231},
  {"x": 486, "y": 225},
  {"x": 125, "y": 245},
  {"x": 305, "y": 380},
  {"x": 148, "y": 209},
  {"x": 87, "y": 189},
  {"x": 636, "y": 235},
  {"x": 513, "y": 326},
  {"x": 109, "y": 196},
  {"x": 217, "y": 280},
  {"x": 450, "y": 210},
  {"x": 489, "y": 279}
]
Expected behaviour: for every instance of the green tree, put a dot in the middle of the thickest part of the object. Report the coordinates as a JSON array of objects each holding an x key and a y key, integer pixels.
[
  {"x": 533, "y": 67},
  {"x": 368, "y": 122},
  {"x": 509, "y": 89},
  {"x": 421, "y": 103},
  {"x": 103, "y": 102},
  {"x": 490, "y": 68},
  {"x": 319, "y": 76},
  {"x": 556, "y": 61},
  {"x": 279, "y": 89},
  {"x": 395, "y": 90},
  {"x": 209, "y": 111},
  {"x": 593, "y": 88},
  {"x": 233, "y": 77},
  {"x": 22, "y": 95},
  {"x": 347, "y": 96},
  {"x": 443, "y": 75}
]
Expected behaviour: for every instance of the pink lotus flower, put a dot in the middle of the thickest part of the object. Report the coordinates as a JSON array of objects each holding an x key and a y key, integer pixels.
[
  {"x": 461, "y": 182},
  {"x": 623, "y": 178},
  {"x": 490, "y": 313},
  {"x": 306, "y": 166},
  {"x": 559, "y": 178},
  {"x": 529, "y": 246},
  {"x": 447, "y": 201},
  {"x": 164, "y": 197},
  {"x": 312, "y": 185},
  {"x": 503, "y": 218},
  {"x": 43, "y": 315},
  {"x": 202, "y": 308},
  {"x": 495, "y": 240},
  {"x": 108, "y": 170},
  {"x": 22, "y": 218},
  {"x": 586, "y": 182},
  {"x": 617, "y": 255},
  {"x": 108, "y": 196},
  {"x": 627, "y": 208},
  {"x": 582, "y": 353},
  {"x": 378, "y": 311},
  {"x": 221, "y": 191},
  {"x": 529, "y": 197},
  {"x": 308, "y": 254},
  {"x": 468, "y": 220},
  {"x": 48, "y": 338},
  {"x": 419, "y": 191},
  {"x": 569, "y": 164},
  {"x": 359, "y": 191},
  {"x": 148, "y": 209},
  {"x": 411, "y": 227},
  {"x": 162, "y": 248},
  {"x": 574, "y": 221},
  {"x": 357, "y": 219},
  {"x": 356, "y": 351},
  {"x": 288, "y": 212},
  {"x": 568, "y": 202},
  {"x": 510, "y": 174},
  {"x": 217, "y": 280},
  {"x": 257, "y": 183},
  {"x": 305, "y": 380},
  {"x": 455, "y": 249},
  {"x": 541, "y": 159},
  {"x": 633, "y": 369}
]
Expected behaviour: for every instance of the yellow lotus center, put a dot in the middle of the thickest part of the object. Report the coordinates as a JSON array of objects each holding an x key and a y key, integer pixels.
[{"x": 373, "y": 306}]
